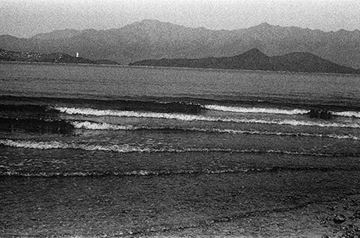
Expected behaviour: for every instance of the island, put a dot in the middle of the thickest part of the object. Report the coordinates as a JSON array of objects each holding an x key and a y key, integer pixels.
[{"x": 254, "y": 59}]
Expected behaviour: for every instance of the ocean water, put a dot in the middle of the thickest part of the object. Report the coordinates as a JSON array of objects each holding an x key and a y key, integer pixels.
[{"x": 109, "y": 150}]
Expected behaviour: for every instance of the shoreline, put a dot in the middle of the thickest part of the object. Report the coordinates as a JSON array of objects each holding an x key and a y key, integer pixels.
[
  {"x": 64, "y": 64},
  {"x": 242, "y": 70},
  {"x": 252, "y": 205},
  {"x": 313, "y": 219},
  {"x": 181, "y": 68}
]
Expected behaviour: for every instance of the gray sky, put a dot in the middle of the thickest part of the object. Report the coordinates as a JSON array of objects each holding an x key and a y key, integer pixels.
[{"x": 28, "y": 17}]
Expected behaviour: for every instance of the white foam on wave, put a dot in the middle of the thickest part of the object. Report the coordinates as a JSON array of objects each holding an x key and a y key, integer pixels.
[
  {"x": 275, "y": 111},
  {"x": 256, "y": 110},
  {"x": 96, "y": 112},
  {"x": 131, "y": 149},
  {"x": 132, "y": 173},
  {"x": 100, "y": 126},
  {"x": 347, "y": 114},
  {"x": 300, "y": 134},
  {"x": 185, "y": 117},
  {"x": 34, "y": 145},
  {"x": 60, "y": 145},
  {"x": 105, "y": 126},
  {"x": 312, "y": 123}
]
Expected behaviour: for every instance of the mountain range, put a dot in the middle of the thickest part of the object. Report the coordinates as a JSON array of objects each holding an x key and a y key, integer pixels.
[
  {"x": 254, "y": 59},
  {"x": 152, "y": 39}
]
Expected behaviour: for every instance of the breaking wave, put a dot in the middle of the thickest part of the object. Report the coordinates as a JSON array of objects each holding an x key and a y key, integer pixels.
[
  {"x": 256, "y": 110},
  {"x": 185, "y": 117},
  {"x": 134, "y": 149},
  {"x": 60, "y": 145},
  {"x": 39, "y": 104},
  {"x": 347, "y": 114},
  {"x": 276, "y": 111},
  {"x": 186, "y": 105},
  {"x": 105, "y": 126},
  {"x": 101, "y": 126}
]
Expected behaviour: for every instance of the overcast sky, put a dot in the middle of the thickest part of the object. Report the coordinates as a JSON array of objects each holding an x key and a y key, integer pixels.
[{"x": 25, "y": 18}]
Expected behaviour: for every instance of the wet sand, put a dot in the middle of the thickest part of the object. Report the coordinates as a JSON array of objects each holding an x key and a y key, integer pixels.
[
  {"x": 310, "y": 220},
  {"x": 268, "y": 204}
]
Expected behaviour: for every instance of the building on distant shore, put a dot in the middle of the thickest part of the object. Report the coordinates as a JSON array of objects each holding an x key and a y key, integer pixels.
[{"x": 77, "y": 54}]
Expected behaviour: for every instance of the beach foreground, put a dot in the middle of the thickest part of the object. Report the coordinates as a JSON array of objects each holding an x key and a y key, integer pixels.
[{"x": 294, "y": 203}]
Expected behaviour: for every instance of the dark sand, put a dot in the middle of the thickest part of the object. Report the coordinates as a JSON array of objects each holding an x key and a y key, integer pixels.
[{"x": 267, "y": 204}]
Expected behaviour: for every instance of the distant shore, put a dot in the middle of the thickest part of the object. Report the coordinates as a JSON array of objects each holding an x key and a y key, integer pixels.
[
  {"x": 174, "y": 68},
  {"x": 60, "y": 63},
  {"x": 254, "y": 59},
  {"x": 28, "y": 56}
]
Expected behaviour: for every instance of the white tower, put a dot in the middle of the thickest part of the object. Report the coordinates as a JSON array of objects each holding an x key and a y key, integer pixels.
[{"x": 77, "y": 54}]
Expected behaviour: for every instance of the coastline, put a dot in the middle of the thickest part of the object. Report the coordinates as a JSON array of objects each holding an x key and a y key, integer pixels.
[
  {"x": 65, "y": 64},
  {"x": 241, "y": 70},
  {"x": 181, "y": 68}
]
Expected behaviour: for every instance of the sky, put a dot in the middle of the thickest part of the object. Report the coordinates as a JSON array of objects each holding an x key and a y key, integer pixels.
[{"x": 25, "y": 18}]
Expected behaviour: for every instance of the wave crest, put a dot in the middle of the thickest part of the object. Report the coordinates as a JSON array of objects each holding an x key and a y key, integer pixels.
[
  {"x": 256, "y": 110},
  {"x": 100, "y": 126},
  {"x": 133, "y": 149},
  {"x": 184, "y": 117},
  {"x": 347, "y": 114},
  {"x": 105, "y": 126},
  {"x": 60, "y": 145}
]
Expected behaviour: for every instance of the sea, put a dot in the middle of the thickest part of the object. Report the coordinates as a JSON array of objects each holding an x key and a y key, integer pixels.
[{"x": 103, "y": 151}]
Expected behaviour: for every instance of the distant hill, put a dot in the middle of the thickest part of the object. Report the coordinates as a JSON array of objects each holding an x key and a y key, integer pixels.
[
  {"x": 152, "y": 39},
  {"x": 6, "y": 55},
  {"x": 254, "y": 59}
]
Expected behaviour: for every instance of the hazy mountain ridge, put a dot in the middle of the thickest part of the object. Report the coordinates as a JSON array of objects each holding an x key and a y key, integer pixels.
[
  {"x": 154, "y": 39},
  {"x": 58, "y": 34},
  {"x": 254, "y": 59}
]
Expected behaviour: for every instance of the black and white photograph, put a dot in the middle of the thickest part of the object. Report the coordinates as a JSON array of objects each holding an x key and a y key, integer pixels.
[{"x": 179, "y": 118}]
